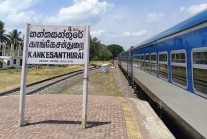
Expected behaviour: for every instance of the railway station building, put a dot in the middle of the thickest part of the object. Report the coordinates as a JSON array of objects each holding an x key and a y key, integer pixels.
[{"x": 10, "y": 57}]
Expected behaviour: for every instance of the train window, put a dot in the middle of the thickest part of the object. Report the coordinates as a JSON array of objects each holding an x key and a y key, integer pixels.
[
  {"x": 200, "y": 58},
  {"x": 163, "y": 72},
  {"x": 153, "y": 57},
  {"x": 142, "y": 57},
  {"x": 200, "y": 71},
  {"x": 153, "y": 64},
  {"x": 135, "y": 61},
  {"x": 163, "y": 57},
  {"x": 142, "y": 62},
  {"x": 179, "y": 68},
  {"x": 124, "y": 61},
  {"x": 147, "y": 57},
  {"x": 138, "y": 57},
  {"x": 163, "y": 66},
  {"x": 147, "y": 63},
  {"x": 179, "y": 75},
  {"x": 178, "y": 57},
  {"x": 138, "y": 61}
]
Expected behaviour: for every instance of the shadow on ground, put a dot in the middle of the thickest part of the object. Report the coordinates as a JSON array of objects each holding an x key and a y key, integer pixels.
[{"x": 89, "y": 123}]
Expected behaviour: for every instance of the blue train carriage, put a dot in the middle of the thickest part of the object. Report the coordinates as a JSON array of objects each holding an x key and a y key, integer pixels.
[
  {"x": 125, "y": 62},
  {"x": 178, "y": 55}
]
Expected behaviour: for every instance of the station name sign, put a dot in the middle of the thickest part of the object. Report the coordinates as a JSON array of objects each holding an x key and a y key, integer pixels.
[{"x": 56, "y": 44}]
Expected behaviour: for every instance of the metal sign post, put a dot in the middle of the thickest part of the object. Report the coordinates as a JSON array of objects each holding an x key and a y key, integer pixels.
[
  {"x": 23, "y": 79},
  {"x": 85, "y": 79},
  {"x": 55, "y": 45}
]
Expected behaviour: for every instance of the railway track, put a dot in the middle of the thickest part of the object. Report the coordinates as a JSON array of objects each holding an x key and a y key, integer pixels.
[{"x": 40, "y": 85}]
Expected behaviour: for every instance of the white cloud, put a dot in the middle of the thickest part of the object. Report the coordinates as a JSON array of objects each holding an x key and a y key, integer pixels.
[
  {"x": 193, "y": 9},
  {"x": 182, "y": 9},
  {"x": 16, "y": 13},
  {"x": 154, "y": 17},
  {"x": 134, "y": 34},
  {"x": 196, "y": 8},
  {"x": 125, "y": 39},
  {"x": 98, "y": 33},
  {"x": 15, "y": 6},
  {"x": 24, "y": 17},
  {"x": 81, "y": 12},
  {"x": 103, "y": 33},
  {"x": 117, "y": 17}
]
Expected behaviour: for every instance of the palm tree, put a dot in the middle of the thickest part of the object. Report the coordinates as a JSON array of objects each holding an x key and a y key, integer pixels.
[
  {"x": 3, "y": 37},
  {"x": 14, "y": 40}
]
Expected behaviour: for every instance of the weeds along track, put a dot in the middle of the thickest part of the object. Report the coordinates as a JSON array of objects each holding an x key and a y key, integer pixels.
[{"x": 43, "y": 84}]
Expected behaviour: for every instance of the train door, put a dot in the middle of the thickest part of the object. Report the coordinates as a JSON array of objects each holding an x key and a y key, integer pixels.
[
  {"x": 130, "y": 64},
  {"x": 199, "y": 60}
]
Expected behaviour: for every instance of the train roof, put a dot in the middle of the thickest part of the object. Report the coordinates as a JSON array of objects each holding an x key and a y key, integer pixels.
[{"x": 189, "y": 23}]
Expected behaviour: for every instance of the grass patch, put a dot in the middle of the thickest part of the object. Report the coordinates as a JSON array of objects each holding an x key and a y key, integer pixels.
[
  {"x": 10, "y": 78},
  {"x": 99, "y": 84},
  {"x": 99, "y": 63}
]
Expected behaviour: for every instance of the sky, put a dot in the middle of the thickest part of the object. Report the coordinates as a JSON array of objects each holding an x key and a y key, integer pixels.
[{"x": 123, "y": 22}]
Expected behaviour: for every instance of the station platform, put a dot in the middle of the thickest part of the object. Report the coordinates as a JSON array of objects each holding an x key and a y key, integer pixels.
[
  {"x": 188, "y": 110},
  {"x": 52, "y": 116}
]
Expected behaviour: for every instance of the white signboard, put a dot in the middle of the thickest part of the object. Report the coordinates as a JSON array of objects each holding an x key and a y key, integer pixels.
[{"x": 56, "y": 44}]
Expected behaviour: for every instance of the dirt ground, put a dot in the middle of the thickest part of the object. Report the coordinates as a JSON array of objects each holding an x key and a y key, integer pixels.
[{"x": 104, "y": 84}]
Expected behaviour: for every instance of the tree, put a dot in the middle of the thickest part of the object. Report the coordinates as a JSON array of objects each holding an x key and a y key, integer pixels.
[
  {"x": 3, "y": 37},
  {"x": 15, "y": 40},
  {"x": 95, "y": 46},
  {"x": 104, "y": 53},
  {"x": 115, "y": 49}
]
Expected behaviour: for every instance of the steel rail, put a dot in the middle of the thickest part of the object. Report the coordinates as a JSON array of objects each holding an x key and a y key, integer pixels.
[{"x": 51, "y": 81}]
